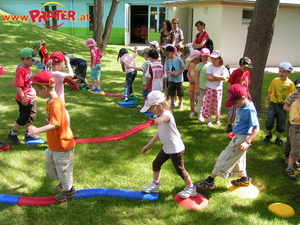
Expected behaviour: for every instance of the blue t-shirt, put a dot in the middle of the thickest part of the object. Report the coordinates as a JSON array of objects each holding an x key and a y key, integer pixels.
[
  {"x": 245, "y": 119},
  {"x": 175, "y": 65}
]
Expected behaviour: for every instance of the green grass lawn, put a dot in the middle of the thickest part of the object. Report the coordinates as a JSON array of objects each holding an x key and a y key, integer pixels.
[{"x": 119, "y": 164}]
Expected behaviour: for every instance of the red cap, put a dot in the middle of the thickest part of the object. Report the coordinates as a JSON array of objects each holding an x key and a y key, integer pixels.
[
  {"x": 44, "y": 78},
  {"x": 57, "y": 57},
  {"x": 234, "y": 93}
]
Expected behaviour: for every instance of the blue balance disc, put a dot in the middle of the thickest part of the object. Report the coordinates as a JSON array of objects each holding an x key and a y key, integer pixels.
[
  {"x": 128, "y": 104},
  {"x": 35, "y": 142}
]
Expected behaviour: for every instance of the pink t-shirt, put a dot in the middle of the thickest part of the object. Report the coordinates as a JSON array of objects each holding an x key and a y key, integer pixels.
[
  {"x": 128, "y": 60},
  {"x": 98, "y": 55},
  {"x": 59, "y": 85}
]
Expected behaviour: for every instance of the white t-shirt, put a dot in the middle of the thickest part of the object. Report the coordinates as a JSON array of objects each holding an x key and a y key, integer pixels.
[
  {"x": 59, "y": 85},
  {"x": 157, "y": 77},
  {"x": 170, "y": 136},
  {"x": 221, "y": 70}
]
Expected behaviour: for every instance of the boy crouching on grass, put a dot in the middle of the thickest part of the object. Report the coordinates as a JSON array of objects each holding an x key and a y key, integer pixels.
[
  {"x": 232, "y": 160},
  {"x": 59, "y": 157}
]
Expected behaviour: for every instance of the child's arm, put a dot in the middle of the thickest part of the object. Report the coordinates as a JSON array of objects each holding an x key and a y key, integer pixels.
[
  {"x": 135, "y": 51},
  {"x": 151, "y": 142},
  {"x": 93, "y": 62},
  {"x": 135, "y": 68},
  {"x": 197, "y": 82},
  {"x": 162, "y": 119},
  {"x": 70, "y": 70},
  {"x": 245, "y": 145},
  {"x": 267, "y": 98},
  {"x": 22, "y": 96},
  {"x": 175, "y": 74},
  {"x": 147, "y": 83},
  {"x": 35, "y": 130}
]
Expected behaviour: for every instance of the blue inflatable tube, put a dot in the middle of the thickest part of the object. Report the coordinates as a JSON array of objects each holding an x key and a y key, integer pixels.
[{"x": 9, "y": 199}]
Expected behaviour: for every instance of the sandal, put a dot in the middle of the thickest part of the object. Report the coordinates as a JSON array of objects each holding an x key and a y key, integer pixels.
[{"x": 297, "y": 166}]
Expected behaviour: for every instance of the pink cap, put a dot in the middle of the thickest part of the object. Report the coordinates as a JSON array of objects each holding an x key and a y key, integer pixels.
[
  {"x": 205, "y": 51},
  {"x": 193, "y": 55}
]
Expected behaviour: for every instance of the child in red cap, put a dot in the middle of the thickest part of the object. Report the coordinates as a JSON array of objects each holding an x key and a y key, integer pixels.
[{"x": 59, "y": 157}]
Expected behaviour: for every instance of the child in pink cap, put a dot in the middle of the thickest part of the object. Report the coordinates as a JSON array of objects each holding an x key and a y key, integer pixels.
[{"x": 96, "y": 55}]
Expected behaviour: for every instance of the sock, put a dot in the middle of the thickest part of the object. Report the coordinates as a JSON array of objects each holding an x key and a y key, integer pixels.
[
  {"x": 156, "y": 182},
  {"x": 192, "y": 110},
  {"x": 210, "y": 179},
  {"x": 290, "y": 167},
  {"x": 229, "y": 125},
  {"x": 14, "y": 132}
]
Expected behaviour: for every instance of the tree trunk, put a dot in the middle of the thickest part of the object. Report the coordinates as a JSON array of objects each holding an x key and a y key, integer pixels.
[
  {"x": 98, "y": 20},
  {"x": 109, "y": 24},
  {"x": 259, "y": 39}
]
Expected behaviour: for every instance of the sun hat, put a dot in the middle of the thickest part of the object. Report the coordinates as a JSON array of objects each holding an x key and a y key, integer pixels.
[
  {"x": 57, "y": 57},
  {"x": 216, "y": 54},
  {"x": 286, "y": 66},
  {"x": 194, "y": 54},
  {"x": 146, "y": 51},
  {"x": 28, "y": 52},
  {"x": 245, "y": 61},
  {"x": 234, "y": 93},
  {"x": 205, "y": 51},
  {"x": 153, "y": 98},
  {"x": 90, "y": 42},
  {"x": 36, "y": 43},
  {"x": 155, "y": 43},
  {"x": 44, "y": 78}
]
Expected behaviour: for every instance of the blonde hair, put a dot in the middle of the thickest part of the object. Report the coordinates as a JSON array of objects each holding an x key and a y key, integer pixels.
[
  {"x": 160, "y": 107},
  {"x": 51, "y": 64}
]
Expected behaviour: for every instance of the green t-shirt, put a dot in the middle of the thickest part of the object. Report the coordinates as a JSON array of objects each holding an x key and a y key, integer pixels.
[{"x": 202, "y": 80}]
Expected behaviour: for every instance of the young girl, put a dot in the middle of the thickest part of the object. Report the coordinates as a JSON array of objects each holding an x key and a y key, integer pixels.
[
  {"x": 201, "y": 81},
  {"x": 127, "y": 63},
  {"x": 96, "y": 55},
  {"x": 173, "y": 146},
  {"x": 194, "y": 60},
  {"x": 216, "y": 74}
]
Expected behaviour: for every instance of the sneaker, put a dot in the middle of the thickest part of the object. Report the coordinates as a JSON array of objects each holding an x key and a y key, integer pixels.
[
  {"x": 181, "y": 107},
  {"x": 192, "y": 114},
  {"x": 2, "y": 144},
  {"x": 201, "y": 119},
  {"x": 65, "y": 195},
  {"x": 188, "y": 192},
  {"x": 204, "y": 185},
  {"x": 30, "y": 137},
  {"x": 125, "y": 99},
  {"x": 241, "y": 182},
  {"x": 218, "y": 123},
  {"x": 278, "y": 142},
  {"x": 151, "y": 188},
  {"x": 58, "y": 188},
  {"x": 229, "y": 129},
  {"x": 210, "y": 124},
  {"x": 297, "y": 166},
  {"x": 14, "y": 139},
  {"x": 268, "y": 138},
  {"x": 290, "y": 174}
]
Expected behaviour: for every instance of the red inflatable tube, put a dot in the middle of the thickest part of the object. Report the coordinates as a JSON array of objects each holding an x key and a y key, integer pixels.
[
  {"x": 113, "y": 95},
  {"x": 116, "y": 137},
  {"x": 37, "y": 201}
]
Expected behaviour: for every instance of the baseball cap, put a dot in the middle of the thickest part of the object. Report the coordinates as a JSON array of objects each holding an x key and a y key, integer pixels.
[
  {"x": 171, "y": 48},
  {"x": 44, "y": 78},
  {"x": 36, "y": 43},
  {"x": 205, "y": 51},
  {"x": 57, "y": 57},
  {"x": 146, "y": 51},
  {"x": 90, "y": 42},
  {"x": 286, "y": 66},
  {"x": 155, "y": 43},
  {"x": 298, "y": 85},
  {"x": 245, "y": 61},
  {"x": 28, "y": 52},
  {"x": 216, "y": 54},
  {"x": 234, "y": 93},
  {"x": 153, "y": 98},
  {"x": 194, "y": 54}
]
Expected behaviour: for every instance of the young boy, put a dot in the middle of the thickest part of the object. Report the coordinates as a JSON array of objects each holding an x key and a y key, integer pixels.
[
  {"x": 43, "y": 52},
  {"x": 232, "y": 160},
  {"x": 175, "y": 68},
  {"x": 294, "y": 136},
  {"x": 156, "y": 76},
  {"x": 25, "y": 97},
  {"x": 239, "y": 76},
  {"x": 279, "y": 89},
  {"x": 59, "y": 157},
  {"x": 2, "y": 70},
  {"x": 80, "y": 66}
]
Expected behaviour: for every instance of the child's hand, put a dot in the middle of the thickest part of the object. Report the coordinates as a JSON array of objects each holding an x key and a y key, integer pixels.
[
  {"x": 67, "y": 60},
  {"x": 244, "y": 146},
  {"x": 135, "y": 48},
  {"x": 32, "y": 129},
  {"x": 266, "y": 103},
  {"x": 93, "y": 67},
  {"x": 25, "y": 101},
  {"x": 144, "y": 150}
]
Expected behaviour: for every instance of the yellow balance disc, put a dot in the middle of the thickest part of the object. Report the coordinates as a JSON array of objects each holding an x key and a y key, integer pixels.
[
  {"x": 281, "y": 209},
  {"x": 244, "y": 192}
]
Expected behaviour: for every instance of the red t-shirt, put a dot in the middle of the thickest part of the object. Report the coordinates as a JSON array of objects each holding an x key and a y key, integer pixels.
[
  {"x": 240, "y": 77},
  {"x": 43, "y": 52},
  {"x": 23, "y": 79},
  {"x": 199, "y": 38}
]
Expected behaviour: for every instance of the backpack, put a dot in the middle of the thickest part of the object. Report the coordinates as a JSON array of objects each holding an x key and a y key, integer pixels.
[{"x": 210, "y": 45}]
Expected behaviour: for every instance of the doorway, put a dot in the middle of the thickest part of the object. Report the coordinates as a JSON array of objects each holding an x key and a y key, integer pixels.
[{"x": 139, "y": 24}]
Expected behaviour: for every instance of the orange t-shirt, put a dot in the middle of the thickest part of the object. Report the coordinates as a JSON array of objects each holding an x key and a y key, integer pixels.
[
  {"x": 60, "y": 138},
  {"x": 192, "y": 75}
]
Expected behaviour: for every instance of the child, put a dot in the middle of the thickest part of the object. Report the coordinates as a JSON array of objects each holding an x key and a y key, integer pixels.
[
  {"x": 239, "y": 76},
  {"x": 216, "y": 74},
  {"x": 80, "y": 66},
  {"x": 294, "y": 136},
  {"x": 154, "y": 45},
  {"x": 201, "y": 81},
  {"x": 156, "y": 74},
  {"x": 175, "y": 68},
  {"x": 128, "y": 65},
  {"x": 25, "y": 96},
  {"x": 279, "y": 89},
  {"x": 59, "y": 157},
  {"x": 55, "y": 65},
  {"x": 173, "y": 146},
  {"x": 43, "y": 52},
  {"x": 194, "y": 60},
  {"x": 96, "y": 55},
  {"x": 2, "y": 70},
  {"x": 232, "y": 160}
]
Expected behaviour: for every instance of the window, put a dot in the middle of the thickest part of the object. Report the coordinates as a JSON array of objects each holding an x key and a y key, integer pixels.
[
  {"x": 91, "y": 22},
  {"x": 153, "y": 19},
  {"x": 247, "y": 15}
]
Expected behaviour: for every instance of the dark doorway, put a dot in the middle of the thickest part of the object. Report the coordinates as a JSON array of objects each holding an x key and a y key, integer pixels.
[{"x": 139, "y": 24}]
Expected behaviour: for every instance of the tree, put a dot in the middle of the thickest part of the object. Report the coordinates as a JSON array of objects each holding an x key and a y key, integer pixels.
[
  {"x": 259, "y": 39},
  {"x": 102, "y": 37}
]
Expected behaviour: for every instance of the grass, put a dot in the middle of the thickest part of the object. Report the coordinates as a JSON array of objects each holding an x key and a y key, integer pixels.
[{"x": 119, "y": 164}]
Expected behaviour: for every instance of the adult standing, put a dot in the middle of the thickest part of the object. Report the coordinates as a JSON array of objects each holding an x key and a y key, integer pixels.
[
  {"x": 179, "y": 38},
  {"x": 202, "y": 37},
  {"x": 166, "y": 37}
]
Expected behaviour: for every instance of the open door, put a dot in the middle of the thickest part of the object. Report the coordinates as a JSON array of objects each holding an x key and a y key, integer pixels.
[{"x": 127, "y": 24}]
